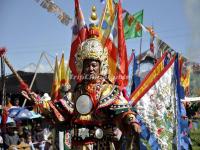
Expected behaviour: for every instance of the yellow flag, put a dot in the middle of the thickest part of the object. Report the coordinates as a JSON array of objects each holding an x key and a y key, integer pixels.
[
  {"x": 56, "y": 81},
  {"x": 62, "y": 69},
  {"x": 68, "y": 74},
  {"x": 106, "y": 21},
  {"x": 185, "y": 79}
]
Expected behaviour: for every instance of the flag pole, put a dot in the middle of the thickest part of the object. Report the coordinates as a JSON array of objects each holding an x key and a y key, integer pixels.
[
  {"x": 3, "y": 83},
  {"x": 3, "y": 98},
  {"x": 46, "y": 57}
]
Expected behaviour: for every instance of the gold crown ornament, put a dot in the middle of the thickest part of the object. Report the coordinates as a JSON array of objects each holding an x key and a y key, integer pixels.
[
  {"x": 93, "y": 17},
  {"x": 92, "y": 49},
  {"x": 94, "y": 30}
]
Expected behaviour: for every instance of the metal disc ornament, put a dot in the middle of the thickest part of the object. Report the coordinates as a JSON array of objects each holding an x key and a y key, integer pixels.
[{"x": 84, "y": 104}]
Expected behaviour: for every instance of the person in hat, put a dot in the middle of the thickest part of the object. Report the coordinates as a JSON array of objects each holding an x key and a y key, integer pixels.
[
  {"x": 11, "y": 138},
  {"x": 99, "y": 112},
  {"x": 95, "y": 111}
]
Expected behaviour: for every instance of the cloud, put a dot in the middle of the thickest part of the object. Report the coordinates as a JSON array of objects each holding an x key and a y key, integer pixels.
[{"x": 192, "y": 9}]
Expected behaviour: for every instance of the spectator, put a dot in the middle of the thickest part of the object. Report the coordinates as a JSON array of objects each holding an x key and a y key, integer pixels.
[
  {"x": 38, "y": 134},
  {"x": 11, "y": 138},
  {"x": 23, "y": 145},
  {"x": 8, "y": 102},
  {"x": 16, "y": 102},
  {"x": 38, "y": 137},
  {"x": 30, "y": 142}
]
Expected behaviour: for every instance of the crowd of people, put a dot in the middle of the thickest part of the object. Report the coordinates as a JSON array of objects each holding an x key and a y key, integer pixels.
[
  {"x": 193, "y": 114},
  {"x": 27, "y": 134}
]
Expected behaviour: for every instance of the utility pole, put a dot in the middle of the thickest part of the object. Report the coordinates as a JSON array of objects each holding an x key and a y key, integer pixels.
[
  {"x": 3, "y": 100},
  {"x": 4, "y": 112}
]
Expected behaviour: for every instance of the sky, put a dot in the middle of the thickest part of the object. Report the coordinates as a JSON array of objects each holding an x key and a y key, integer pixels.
[{"x": 26, "y": 29}]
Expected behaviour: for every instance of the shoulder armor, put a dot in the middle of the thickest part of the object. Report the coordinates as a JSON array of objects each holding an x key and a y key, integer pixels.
[
  {"x": 109, "y": 95},
  {"x": 120, "y": 103}
]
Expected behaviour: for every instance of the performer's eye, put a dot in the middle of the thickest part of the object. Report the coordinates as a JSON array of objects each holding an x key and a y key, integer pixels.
[{"x": 94, "y": 65}]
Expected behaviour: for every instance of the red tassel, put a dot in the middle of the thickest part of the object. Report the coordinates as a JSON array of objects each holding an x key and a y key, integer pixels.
[
  {"x": 2, "y": 51},
  {"x": 24, "y": 86},
  {"x": 4, "y": 115}
]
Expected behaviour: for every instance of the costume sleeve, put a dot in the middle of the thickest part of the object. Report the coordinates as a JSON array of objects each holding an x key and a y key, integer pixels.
[
  {"x": 125, "y": 119},
  {"x": 113, "y": 99},
  {"x": 63, "y": 108},
  {"x": 122, "y": 112}
]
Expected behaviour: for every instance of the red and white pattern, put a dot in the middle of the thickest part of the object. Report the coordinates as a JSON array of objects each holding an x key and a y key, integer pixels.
[{"x": 79, "y": 34}]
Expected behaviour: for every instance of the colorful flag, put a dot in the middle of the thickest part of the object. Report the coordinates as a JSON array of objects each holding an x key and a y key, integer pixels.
[
  {"x": 185, "y": 79},
  {"x": 157, "y": 106},
  {"x": 161, "y": 47},
  {"x": 181, "y": 62},
  {"x": 63, "y": 73},
  {"x": 130, "y": 71},
  {"x": 151, "y": 47},
  {"x": 132, "y": 25},
  {"x": 152, "y": 75},
  {"x": 135, "y": 78},
  {"x": 112, "y": 46},
  {"x": 79, "y": 34},
  {"x": 106, "y": 22},
  {"x": 122, "y": 69},
  {"x": 131, "y": 57},
  {"x": 152, "y": 38},
  {"x": 68, "y": 74},
  {"x": 56, "y": 81},
  {"x": 53, "y": 8},
  {"x": 133, "y": 74},
  {"x": 117, "y": 54},
  {"x": 177, "y": 92}
]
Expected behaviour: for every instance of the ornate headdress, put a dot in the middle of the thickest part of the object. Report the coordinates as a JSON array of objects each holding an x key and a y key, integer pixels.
[{"x": 92, "y": 48}]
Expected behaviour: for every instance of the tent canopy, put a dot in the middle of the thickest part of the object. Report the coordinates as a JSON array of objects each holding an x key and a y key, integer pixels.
[{"x": 42, "y": 83}]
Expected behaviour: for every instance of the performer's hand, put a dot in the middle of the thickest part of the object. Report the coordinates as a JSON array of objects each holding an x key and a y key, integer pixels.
[
  {"x": 136, "y": 127},
  {"x": 117, "y": 134},
  {"x": 25, "y": 94},
  {"x": 36, "y": 97}
]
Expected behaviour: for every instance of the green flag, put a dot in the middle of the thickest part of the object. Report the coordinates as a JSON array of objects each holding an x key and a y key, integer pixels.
[{"x": 132, "y": 25}]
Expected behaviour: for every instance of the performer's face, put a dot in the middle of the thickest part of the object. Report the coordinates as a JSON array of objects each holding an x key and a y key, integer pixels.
[{"x": 91, "y": 69}]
